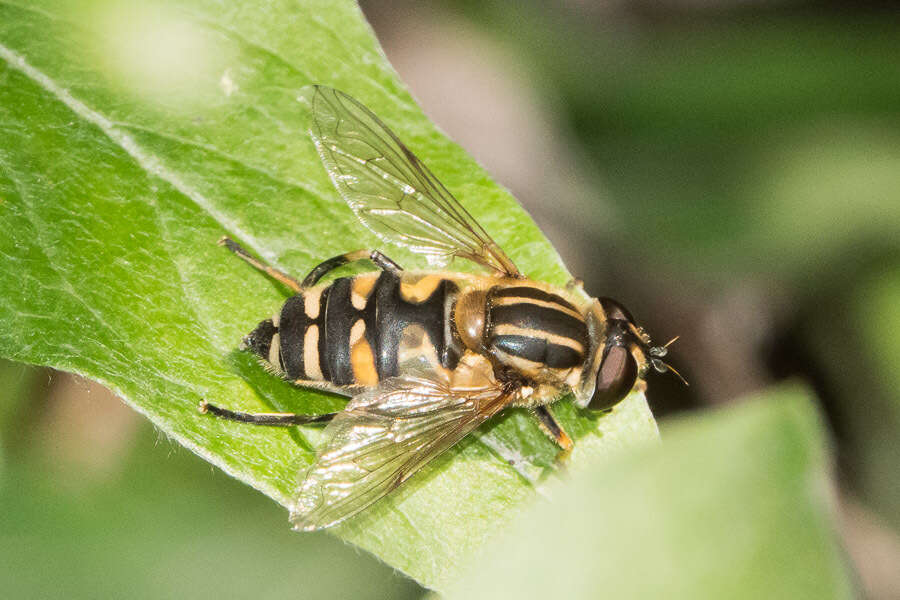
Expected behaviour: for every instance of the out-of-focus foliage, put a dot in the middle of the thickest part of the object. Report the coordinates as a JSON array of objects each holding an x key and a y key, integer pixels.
[
  {"x": 16, "y": 393},
  {"x": 162, "y": 524},
  {"x": 767, "y": 143},
  {"x": 858, "y": 338},
  {"x": 734, "y": 504}
]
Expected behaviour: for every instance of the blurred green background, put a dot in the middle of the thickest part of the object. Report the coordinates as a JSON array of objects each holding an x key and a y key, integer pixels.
[{"x": 729, "y": 170}]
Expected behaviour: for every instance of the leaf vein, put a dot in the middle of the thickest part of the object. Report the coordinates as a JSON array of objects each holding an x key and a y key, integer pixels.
[{"x": 147, "y": 161}]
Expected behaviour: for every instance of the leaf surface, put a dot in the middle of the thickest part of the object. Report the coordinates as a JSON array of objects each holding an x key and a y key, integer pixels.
[{"x": 733, "y": 504}]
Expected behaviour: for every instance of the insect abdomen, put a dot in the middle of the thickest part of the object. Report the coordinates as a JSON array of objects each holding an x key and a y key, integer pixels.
[
  {"x": 529, "y": 329},
  {"x": 358, "y": 330}
]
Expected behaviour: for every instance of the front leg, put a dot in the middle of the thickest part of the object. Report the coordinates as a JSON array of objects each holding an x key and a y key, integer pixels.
[{"x": 550, "y": 426}]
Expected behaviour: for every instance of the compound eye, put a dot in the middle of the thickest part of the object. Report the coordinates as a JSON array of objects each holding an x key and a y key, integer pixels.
[{"x": 616, "y": 377}]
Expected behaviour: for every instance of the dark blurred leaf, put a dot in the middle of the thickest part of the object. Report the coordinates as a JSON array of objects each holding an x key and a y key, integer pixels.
[
  {"x": 19, "y": 384},
  {"x": 726, "y": 139},
  {"x": 856, "y": 337},
  {"x": 732, "y": 504}
]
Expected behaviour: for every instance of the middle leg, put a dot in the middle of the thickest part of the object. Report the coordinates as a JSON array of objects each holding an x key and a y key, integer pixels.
[{"x": 550, "y": 426}]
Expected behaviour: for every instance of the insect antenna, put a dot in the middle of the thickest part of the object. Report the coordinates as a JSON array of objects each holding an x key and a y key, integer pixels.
[
  {"x": 672, "y": 341},
  {"x": 656, "y": 354},
  {"x": 663, "y": 367},
  {"x": 677, "y": 374}
]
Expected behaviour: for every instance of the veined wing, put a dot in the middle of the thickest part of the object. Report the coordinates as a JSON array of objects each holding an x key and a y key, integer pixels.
[
  {"x": 391, "y": 191},
  {"x": 382, "y": 438}
]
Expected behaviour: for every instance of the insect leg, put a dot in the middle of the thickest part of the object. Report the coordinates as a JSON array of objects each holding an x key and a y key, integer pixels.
[
  {"x": 275, "y": 419},
  {"x": 258, "y": 264},
  {"x": 380, "y": 260},
  {"x": 555, "y": 432}
]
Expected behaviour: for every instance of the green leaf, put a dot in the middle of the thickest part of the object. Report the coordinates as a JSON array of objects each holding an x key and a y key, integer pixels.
[
  {"x": 873, "y": 434},
  {"x": 733, "y": 504},
  {"x": 149, "y": 527},
  {"x": 131, "y": 139}
]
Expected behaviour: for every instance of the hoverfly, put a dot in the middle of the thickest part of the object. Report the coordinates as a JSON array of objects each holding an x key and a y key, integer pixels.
[{"x": 425, "y": 356}]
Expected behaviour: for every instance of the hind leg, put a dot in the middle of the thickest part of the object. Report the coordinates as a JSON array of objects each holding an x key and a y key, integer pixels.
[
  {"x": 272, "y": 272},
  {"x": 271, "y": 419}
]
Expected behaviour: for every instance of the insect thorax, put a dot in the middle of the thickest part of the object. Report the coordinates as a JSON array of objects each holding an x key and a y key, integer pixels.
[{"x": 538, "y": 334}]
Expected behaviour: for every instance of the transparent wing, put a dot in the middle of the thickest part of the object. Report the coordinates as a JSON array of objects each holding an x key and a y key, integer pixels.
[
  {"x": 382, "y": 438},
  {"x": 391, "y": 191}
]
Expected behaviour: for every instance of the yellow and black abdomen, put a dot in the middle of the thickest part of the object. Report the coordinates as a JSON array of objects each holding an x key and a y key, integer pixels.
[{"x": 359, "y": 330}]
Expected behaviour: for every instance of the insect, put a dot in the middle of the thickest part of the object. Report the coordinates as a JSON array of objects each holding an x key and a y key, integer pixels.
[{"x": 425, "y": 356}]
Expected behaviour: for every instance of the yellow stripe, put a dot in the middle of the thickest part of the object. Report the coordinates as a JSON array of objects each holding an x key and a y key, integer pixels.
[
  {"x": 540, "y": 334},
  {"x": 419, "y": 289},
  {"x": 360, "y": 289},
  {"x": 357, "y": 331},
  {"x": 529, "y": 368},
  {"x": 311, "y": 303},
  {"x": 274, "y": 351},
  {"x": 311, "y": 353},
  {"x": 505, "y": 301},
  {"x": 523, "y": 365},
  {"x": 362, "y": 359}
]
